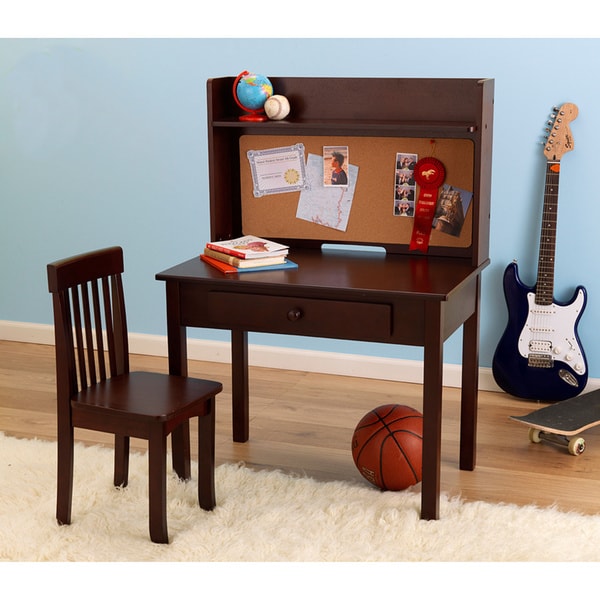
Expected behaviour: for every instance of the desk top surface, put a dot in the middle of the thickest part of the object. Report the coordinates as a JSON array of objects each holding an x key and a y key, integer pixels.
[{"x": 353, "y": 272}]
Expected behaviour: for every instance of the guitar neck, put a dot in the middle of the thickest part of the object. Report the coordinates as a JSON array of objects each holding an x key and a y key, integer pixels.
[{"x": 544, "y": 290}]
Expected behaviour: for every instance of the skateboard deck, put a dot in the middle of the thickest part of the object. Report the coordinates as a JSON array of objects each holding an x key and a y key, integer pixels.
[{"x": 566, "y": 418}]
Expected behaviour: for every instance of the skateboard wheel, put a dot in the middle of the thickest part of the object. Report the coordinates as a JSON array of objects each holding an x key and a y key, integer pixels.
[
  {"x": 576, "y": 446},
  {"x": 534, "y": 435}
]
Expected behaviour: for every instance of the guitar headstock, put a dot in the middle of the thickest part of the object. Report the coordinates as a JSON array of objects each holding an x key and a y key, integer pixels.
[{"x": 560, "y": 139}]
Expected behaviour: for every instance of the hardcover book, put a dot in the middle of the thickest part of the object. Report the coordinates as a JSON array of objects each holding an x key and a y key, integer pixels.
[
  {"x": 249, "y": 246},
  {"x": 244, "y": 263}
]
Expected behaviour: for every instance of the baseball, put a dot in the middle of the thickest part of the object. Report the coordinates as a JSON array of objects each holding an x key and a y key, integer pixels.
[{"x": 277, "y": 107}]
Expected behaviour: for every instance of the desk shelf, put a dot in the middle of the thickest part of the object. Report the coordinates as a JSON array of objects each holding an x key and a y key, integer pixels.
[{"x": 350, "y": 127}]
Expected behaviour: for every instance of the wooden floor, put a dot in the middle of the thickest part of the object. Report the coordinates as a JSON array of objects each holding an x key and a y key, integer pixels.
[{"x": 303, "y": 423}]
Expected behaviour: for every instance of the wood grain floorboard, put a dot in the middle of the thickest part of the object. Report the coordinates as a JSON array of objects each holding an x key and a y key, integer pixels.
[{"x": 303, "y": 423}]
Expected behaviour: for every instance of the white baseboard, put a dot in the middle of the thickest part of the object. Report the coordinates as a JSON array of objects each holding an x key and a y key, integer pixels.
[{"x": 334, "y": 363}]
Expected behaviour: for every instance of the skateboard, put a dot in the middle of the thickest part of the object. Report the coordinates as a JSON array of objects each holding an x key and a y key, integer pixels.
[{"x": 561, "y": 423}]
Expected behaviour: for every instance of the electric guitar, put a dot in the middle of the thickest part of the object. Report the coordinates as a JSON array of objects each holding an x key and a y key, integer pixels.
[{"x": 539, "y": 356}]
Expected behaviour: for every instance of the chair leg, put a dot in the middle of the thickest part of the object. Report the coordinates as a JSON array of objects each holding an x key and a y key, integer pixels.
[
  {"x": 157, "y": 492},
  {"x": 121, "y": 476},
  {"x": 64, "y": 492},
  {"x": 206, "y": 458},
  {"x": 180, "y": 443}
]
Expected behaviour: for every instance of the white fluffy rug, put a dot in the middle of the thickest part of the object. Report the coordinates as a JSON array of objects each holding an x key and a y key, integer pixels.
[{"x": 262, "y": 516}]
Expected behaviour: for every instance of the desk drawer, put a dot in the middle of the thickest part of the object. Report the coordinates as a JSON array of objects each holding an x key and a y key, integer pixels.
[{"x": 300, "y": 316}]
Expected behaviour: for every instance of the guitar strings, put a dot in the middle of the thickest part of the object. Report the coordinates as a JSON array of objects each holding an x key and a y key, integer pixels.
[{"x": 544, "y": 293}]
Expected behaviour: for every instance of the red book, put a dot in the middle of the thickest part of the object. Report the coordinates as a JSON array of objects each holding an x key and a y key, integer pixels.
[{"x": 223, "y": 267}]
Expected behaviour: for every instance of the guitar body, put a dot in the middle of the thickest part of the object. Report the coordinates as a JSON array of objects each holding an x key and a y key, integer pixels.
[{"x": 539, "y": 356}]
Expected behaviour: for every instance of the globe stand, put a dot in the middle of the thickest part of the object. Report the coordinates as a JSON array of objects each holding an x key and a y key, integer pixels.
[{"x": 254, "y": 115}]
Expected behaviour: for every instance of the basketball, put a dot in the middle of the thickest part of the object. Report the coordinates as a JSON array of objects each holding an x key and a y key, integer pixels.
[{"x": 387, "y": 446}]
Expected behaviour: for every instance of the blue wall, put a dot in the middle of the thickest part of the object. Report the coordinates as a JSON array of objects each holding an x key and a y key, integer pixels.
[{"x": 103, "y": 142}]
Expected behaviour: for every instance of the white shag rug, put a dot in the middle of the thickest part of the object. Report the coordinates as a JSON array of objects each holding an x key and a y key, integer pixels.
[{"x": 262, "y": 516}]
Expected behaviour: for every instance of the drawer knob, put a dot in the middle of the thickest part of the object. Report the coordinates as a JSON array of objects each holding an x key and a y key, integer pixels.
[{"x": 294, "y": 314}]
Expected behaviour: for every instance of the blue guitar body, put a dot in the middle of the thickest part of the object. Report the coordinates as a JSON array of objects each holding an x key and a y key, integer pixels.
[{"x": 539, "y": 356}]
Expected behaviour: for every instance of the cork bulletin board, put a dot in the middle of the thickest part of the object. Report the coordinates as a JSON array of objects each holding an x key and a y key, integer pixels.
[{"x": 372, "y": 218}]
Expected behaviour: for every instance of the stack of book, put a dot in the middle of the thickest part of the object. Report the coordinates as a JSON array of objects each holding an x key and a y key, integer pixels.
[{"x": 247, "y": 253}]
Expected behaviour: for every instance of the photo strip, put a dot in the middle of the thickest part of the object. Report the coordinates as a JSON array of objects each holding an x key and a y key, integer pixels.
[{"x": 404, "y": 185}]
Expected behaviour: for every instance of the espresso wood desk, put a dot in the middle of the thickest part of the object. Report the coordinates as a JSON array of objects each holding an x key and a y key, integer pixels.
[
  {"x": 365, "y": 296},
  {"x": 397, "y": 297}
]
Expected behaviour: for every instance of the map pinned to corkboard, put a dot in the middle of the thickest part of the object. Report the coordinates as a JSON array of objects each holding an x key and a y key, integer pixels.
[{"x": 327, "y": 206}]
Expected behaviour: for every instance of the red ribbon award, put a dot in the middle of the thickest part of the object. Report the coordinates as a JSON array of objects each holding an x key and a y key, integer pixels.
[{"x": 429, "y": 175}]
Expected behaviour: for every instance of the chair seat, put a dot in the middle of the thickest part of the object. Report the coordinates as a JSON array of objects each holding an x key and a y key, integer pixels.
[{"x": 146, "y": 395}]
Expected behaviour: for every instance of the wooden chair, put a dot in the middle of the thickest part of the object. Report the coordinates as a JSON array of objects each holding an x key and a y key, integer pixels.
[{"x": 96, "y": 390}]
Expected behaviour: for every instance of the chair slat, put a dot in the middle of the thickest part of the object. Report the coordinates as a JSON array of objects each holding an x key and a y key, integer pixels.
[
  {"x": 76, "y": 314},
  {"x": 98, "y": 326},
  {"x": 108, "y": 323},
  {"x": 89, "y": 336}
]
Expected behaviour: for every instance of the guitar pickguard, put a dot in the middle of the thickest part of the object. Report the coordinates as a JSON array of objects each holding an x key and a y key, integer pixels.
[{"x": 549, "y": 334}]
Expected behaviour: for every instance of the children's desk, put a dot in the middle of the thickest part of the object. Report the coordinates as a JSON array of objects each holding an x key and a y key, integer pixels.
[{"x": 398, "y": 296}]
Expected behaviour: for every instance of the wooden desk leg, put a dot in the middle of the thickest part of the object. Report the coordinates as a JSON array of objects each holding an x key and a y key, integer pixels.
[
  {"x": 177, "y": 350},
  {"x": 432, "y": 410},
  {"x": 176, "y": 333},
  {"x": 470, "y": 387},
  {"x": 240, "y": 390}
]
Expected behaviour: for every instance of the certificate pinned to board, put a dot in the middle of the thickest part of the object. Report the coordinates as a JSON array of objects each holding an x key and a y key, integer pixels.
[
  {"x": 326, "y": 205},
  {"x": 277, "y": 170}
]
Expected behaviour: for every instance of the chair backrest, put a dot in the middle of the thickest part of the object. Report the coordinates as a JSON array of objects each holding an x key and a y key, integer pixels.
[{"x": 90, "y": 327}]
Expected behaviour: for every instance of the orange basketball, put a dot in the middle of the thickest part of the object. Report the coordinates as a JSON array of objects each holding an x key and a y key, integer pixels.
[{"x": 387, "y": 446}]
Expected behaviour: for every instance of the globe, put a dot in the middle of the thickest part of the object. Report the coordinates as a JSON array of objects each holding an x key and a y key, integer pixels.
[{"x": 250, "y": 91}]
